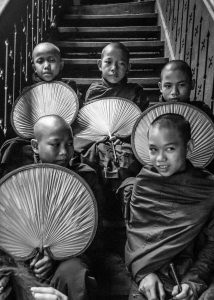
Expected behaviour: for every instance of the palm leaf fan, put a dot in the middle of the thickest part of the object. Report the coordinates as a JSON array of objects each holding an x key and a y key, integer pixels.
[
  {"x": 53, "y": 98},
  {"x": 106, "y": 117},
  {"x": 202, "y": 132},
  {"x": 46, "y": 206}
]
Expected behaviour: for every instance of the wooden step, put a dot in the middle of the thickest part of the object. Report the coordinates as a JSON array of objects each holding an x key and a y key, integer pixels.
[
  {"x": 145, "y": 82},
  {"x": 133, "y": 61},
  {"x": 110, "y": 33},
  {"x": 126, "y": 29},
  {"x": 123, "y": 8},
  {"x": 91, "y": 49},
  {"x": 131, "y": 45},
  {"x": 148, "y": 19}
]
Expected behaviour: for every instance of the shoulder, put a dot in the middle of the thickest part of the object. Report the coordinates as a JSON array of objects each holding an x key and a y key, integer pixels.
[{"x": 94, "y": 90}]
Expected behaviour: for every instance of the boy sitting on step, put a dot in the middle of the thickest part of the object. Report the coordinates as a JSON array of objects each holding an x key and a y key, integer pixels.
[
  {"x": 47, "y": 64},
  {"x": 172, "y": 202},
  {"x": 53, "y": 143},
  {"x": 176, "y": 84},
  {"x": 114, "y": 65}
]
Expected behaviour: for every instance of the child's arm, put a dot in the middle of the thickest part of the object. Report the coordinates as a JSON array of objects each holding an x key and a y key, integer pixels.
[{"x": 42, "y": 293}]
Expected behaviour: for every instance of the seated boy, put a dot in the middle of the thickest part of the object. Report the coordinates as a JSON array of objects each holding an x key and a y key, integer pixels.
[
  {"x": 177, "y": 83},
  {"x": 172, "y": 201},
  {"x": 114, "y": 65},
  {"x": 53, "y": 143},
  {"x": 47, "y": 64}
]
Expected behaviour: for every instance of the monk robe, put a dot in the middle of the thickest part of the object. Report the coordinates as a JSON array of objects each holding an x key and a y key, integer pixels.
[{"x": 165, "y": 216}]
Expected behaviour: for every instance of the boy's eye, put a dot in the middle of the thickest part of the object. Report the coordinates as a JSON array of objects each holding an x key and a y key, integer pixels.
[
  {"x": 170, "y": 149},
  {"x": 152, "y": 150},
  {"x": 167, "y": 86},
  {"x": 52, "y": 59},
  {"x": 39, "y": 61},
  {"x": 55, "y": 145}
]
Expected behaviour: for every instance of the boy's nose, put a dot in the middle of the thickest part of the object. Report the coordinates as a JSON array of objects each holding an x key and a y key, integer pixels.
[
  {"x": 114, "y": 67},
  {"x": 63, "y": 150},
  {"x": 175, "y": 90},
  {"x": 46, "y": 65},
  {"x": 161, "y": 156}
]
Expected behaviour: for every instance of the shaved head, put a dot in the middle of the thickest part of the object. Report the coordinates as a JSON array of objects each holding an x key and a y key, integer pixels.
[
  {"x": 116, "y": 45},
  {"x": 48, "y": 124},
  {"x": 45, "y": 48}
]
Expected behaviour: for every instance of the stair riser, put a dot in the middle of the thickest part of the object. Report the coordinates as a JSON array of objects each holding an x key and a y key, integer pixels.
[
  {"x": 96, "y": 55},
  {"x": 91, "y": 73},
  {"x": 103, "y": 36},
  {"x": 122, "y": 8},
  {"x": 112, "y": 22}
]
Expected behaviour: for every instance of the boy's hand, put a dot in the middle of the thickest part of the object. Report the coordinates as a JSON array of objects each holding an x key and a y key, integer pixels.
[
  {"x": 185, "y": 294},
  {"x": 42, "y": 268},
  {"x": 49, "y": 293},
  {"x": 152, "y": 287}
]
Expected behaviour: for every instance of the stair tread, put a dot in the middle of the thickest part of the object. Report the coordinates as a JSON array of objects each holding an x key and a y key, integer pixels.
[
  {"x": 109, "y": 29},
  {"x": 88, "y": 81},
  {"x": 95, "y": 44},
  {"x": 110, "y": 16},
  {"x": 147, "y": 6},
  {"x": 92, "y": 61}
]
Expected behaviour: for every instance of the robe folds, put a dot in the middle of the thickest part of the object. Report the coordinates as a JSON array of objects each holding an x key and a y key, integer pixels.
[{"x": 165, "y": 216}]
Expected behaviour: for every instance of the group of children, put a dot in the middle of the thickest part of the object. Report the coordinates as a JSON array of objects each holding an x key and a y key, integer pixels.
[{"x": 157, "y": 233}]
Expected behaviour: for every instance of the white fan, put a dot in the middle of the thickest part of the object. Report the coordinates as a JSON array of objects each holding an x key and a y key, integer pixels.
[
  {"x": 106, "y": 117},
  {"x": 48, "y": 207},
  {"x": 202, "y": 132},
  {"x": 54, "y": 98}
]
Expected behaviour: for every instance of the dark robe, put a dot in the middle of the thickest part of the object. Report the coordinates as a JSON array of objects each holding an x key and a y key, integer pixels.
[
  {"x": 123, "y": 89},
  {"x": 166, "y": 214}
]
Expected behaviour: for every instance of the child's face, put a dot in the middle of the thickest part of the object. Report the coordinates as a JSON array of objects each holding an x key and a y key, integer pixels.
[
  {"x": 47, "y": 64},
  {"x": 167, "y": 150},
  {"x": 175, "y": 86},
  {"x": 114, "y": 65},
  {"x": 56, "y": 146}
]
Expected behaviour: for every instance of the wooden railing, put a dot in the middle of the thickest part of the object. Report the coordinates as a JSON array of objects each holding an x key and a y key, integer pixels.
[
  {"x": 33, "y": 20},
  {"x": 188, "y": 27}
]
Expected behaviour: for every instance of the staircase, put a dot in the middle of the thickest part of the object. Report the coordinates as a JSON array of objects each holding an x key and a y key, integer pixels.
[
  {"x": 82, "y": 34},
  {"x": 84, "y": 30}
]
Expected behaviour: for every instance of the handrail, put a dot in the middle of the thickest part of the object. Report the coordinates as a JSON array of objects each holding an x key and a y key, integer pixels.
[{"x": 33, "y": 21}]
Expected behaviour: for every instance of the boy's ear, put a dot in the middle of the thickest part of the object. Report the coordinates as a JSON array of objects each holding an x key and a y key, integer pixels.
[
  {"x": 99, "y": 64},
  {"x": 34, "y": 145},
  {"x": 160, "y": 86},
  {"x": 190, "y": 146},
  {"x": 128, "y": 67},
  {"x": 193, "y": 84},
  {"x": 61, "y": 65},
  {"x": 34, "y": 68}
]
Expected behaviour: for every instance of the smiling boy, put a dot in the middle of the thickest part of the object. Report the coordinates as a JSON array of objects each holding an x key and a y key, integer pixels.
[{"x": 171, "y": 204}]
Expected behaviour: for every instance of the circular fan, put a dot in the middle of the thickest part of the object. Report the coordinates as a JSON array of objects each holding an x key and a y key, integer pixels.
[
  {"x": 202, "y": 131},
  {"x": 53, "y": 98},
  {"x": 46, "y": 207},
  {"x": 106, "y": 117}
]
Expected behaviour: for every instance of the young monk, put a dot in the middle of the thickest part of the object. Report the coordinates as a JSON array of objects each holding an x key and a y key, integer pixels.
[
  {"x": 177, "y": 83},
  {"x": 114, "y": 66},
  {"x": 53, "y": 143},
  {"x": 48, "y": 65},
  {"x": 172, "y": 201}
]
